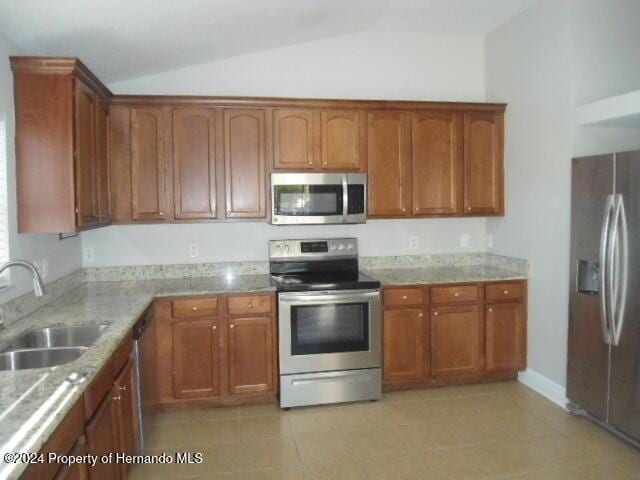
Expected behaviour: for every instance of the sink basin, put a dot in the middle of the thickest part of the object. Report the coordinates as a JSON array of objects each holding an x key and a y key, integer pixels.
[
  {"x": 39, "y": 357},
  {"x": 53, "y": 337}
]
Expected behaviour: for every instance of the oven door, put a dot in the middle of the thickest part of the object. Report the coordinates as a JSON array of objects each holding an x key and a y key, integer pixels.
[
  {"x": 308, "y": 198},
  {"x": 329, "y": 330}
]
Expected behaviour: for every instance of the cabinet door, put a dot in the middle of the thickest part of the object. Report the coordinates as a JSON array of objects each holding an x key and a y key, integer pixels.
[
  {"x": 244, "y": 163},
  {"x": 341, "y": 140},
  {"x": 75, "y": 471},
  {"x": 147, "y": 164},
  {"x": 483, "y": 163},
  {"x": 456, "y": 340},
  {"x": 437, "y": 163},
  {"x": 125, "y": 402},
  {"x": 389, "y": 141},
  {"x": 251, "y": 352},
  {"x": 85, "y": 156},
  {"x": 196, "y": 358},
  {"x": 194, "y": 163},
  {"x": 404, "y": 345},
  {"x": 293, "y": 139},
  {"x": 506, "y": 337},
  {"x": 102, "y": 163},
  {"x": 102, "y": 438}
]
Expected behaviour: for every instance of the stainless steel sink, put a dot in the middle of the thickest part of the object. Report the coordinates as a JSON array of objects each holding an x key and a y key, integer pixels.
[
  {"x": 39, "y": 357},
  {"x": 53, "y": 337}
]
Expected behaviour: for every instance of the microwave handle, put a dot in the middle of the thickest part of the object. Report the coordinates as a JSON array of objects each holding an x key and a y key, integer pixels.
[{"x": 345, "y": 197}]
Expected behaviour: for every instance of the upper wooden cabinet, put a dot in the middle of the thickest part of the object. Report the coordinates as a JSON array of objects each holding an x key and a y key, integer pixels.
[
  {"x": 437, "y": 163},
  {"x": 294, "y": 139},
  {"x": 148, "y": 163},
  {"x": 102, "y": 163},
  {"x": 194, "y": 163},
  {"x": 61, "y": 124},
  {"x": 389, "y": 153},
  {"x": 483, "y": 163},
  {"x": 244, "y": 163},
  {"x": 341, "y": 139}
]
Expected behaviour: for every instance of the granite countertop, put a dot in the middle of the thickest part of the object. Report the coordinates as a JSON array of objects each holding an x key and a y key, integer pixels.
[
  {"x": 34, "y": 402},
  {"x": 443, "y": 274}
]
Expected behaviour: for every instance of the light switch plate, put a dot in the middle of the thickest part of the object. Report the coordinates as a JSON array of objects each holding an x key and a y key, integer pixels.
[
  {"x": 464, "y": 240},
  {"x": 413, "y": 243},
  {"x": 89, "y": 254},
  {"x": 194, "y": 250}
]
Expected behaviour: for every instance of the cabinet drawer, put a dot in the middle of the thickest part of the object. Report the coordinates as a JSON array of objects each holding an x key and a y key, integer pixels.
[
  {"x": 402, "y": 296},
  {"x": 195, "y": 307},
  {"x": 504, "y": 291},
  {"x": 249, "y": 304},
  {"x": 454, "y": 294}
]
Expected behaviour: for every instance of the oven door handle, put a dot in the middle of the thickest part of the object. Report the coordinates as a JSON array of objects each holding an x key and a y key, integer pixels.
[
  {"x": 335, "y": 296},
  {"x": 345, "y": 198}
]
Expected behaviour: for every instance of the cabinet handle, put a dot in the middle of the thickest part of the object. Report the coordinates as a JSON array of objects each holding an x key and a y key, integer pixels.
[
  {"x": 468, "y": 209},
  {"x": 420, "y": 314},
  {"x": 195, "y": 309},
  {"x": 123, "y": 388},
  {"x": 250, "y": 306},
  {"x": 214, "y": 327},
  {"x": 490, "y": 310},
  {"x": 456, "y": 294},
  {"x": 232, "y": 326},
  {"x": 506, "y": 292},
  {"x": 435, "y": 314},
  {"x": 310, "y": 162},
  {"x": 404, "y": 297},
  {"x": 118, "y": 398},
  {"x": 404, "y": 210}
]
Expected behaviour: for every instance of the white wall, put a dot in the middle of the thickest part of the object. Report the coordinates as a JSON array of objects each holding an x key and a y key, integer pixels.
[
  {"x": 528, "y": 66},
  {"x": 63, "y": 256},
  {"x": 386, "y": 65}
]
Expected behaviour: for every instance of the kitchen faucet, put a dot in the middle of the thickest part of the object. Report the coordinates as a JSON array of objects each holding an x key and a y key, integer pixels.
[{"x": 38, "y": 286}]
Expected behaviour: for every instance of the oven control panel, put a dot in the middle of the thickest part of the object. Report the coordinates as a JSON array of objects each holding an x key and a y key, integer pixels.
[{"x": 313, "y": 248}]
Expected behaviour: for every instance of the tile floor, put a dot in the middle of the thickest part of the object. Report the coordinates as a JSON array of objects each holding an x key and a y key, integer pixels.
[{"x": 502, "y": 430}]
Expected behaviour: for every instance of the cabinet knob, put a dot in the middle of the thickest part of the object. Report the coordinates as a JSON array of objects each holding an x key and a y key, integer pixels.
[
  {"x": 420, "y": 314},
  {"x": 404, "y": 210},
  {"x": 310, "y": 162},
  {"x": 195, "y": 309},
  {"x": 325, "y": 163},
  {"x": 118, "y": 398},
  {"x": 417, "y": 209},
  {"x": 435, "y": 314},
  {"x": 490, "y": 310},
  {"x": 468, "y": 209},
  {"x": 250, "y": 306},
  {"x": 214, "y": 327},
  {"x": 123, "y": 388},
  {"x": 404, "y": 297},
  {"x": 232, "y": 326},
  {"x": 506, "y": 292},
  {"x": 456, "y": 294}
]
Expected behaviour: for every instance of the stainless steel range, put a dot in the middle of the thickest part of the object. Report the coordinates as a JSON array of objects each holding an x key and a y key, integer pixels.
[{"x": 329, "y": 323}]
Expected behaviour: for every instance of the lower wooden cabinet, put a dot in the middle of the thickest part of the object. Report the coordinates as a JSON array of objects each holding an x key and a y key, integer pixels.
[
  {"x": 453, "y": 334},
  {"x": 404, "y": 345},
  {"x": 456, "y": 340},
  {"x": 75, "y": 471},
  {"x": 251, "y": 355},
  {"x": 505, "y": 336},
  {"x": 102, "y": 438},
  {"x": 196, "y": 358},
  {"x": 125, "y": 405}
]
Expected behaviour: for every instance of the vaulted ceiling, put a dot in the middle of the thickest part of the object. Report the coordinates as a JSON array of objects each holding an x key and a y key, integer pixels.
[{"x": 121, "y": 39}]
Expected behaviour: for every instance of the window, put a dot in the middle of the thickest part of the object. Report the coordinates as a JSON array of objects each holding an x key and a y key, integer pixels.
[{"x": 4, "y": 217}]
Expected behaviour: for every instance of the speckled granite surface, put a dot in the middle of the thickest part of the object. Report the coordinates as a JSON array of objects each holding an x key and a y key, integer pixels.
[
  {"x": 33, "y": 402},
  {"x": 452, "y": 274}
]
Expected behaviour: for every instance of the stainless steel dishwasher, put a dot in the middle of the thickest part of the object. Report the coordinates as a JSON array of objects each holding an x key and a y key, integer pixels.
[{"x": 145, "y": 365}]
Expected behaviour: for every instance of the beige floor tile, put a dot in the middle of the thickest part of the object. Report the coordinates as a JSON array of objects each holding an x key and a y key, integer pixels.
[
  {"x": 603, "y": 445},
  {"x": 408, "y": 466},
  {"x": 215, "y": 460},
  {"x": 454, "y": 408},
  {"x": 504, "y": 459},
  {"x": 287, "y": 473},
  {"x": 152, "y": 471},
  {"x": 598, "y": 471},
  {"x": 270, "y": 453},
  {"x": 361, "y": 415},
  {"x": 400, "y": 397},
  {"x": 557, "y": 450},
  {"x": 215, "y": 476},
  {"x": 559, "y": 419},
  {"x": 333, "y": 470},
  {"x": 429, "y": 436},
  {"x": 266, "y": 409},
  {"x": 179, "y": 416},
  {"x": 372, "y": 442},
  {"x": 214, "y": 432},
  {"x": 454, "y": 464},
  {"x": 314, "y": 421},
  {"x": 414, "y": 412},
  {"x": 259, "y": 428},
  {"x": 208, "y": 414},
  {"x": 168, "y": 435},
  {"x": 317, "y": 447},
  {"x": 629, "y": 464}
]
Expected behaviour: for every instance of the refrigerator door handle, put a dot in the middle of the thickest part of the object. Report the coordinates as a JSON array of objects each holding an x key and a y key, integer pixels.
[
  {"x": 620, "y": 262},
  {"x": 605, "y": 299}
]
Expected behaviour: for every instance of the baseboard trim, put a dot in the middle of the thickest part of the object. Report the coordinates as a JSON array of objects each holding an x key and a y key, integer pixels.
[{"x": 545, "y": 387}]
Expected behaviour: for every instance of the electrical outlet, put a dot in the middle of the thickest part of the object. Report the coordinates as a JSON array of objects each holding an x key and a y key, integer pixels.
[
  {"x": 464, "y": 240},
  {"x": 489, "y": 240},
  {"x": 89, "y": 254},
  {"x": 194, "y": 250},
  {"x": 413, "y": 243}
]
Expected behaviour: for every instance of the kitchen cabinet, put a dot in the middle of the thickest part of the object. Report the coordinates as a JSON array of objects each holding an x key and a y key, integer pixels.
[
  {"x": 126, "y": 408},
  {"x": 453, "y": 334},
  {"x": 60, "y": 130},
  {"x": 506, "y": 337},
  {"x": 194, "y": 163},
  {"x": 456, "y": 340},
  {"x": 294, "y": 139},
  {"x": 102, "y": 438},
  {"x": 244, "y": 163},
  {"x": 437, "y": 163},
  {"x": 341, "y": 132},
  {"x": 404, "y": 355},
  {"x": 75, "y": 471},
  {"x": 196, "y": 358},
  {"x": 483, "y": 163},
  {"x": 251, "y": 355},
  {"x": 103, "y": 196},
  {"x": 148, "y": 161},
  {"x": 217, "y": 350},
  {"x": 389, "y": 167}
]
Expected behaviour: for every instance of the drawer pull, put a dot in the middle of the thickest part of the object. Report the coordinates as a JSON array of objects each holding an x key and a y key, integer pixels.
[
  {"x": 420, "y": 314},
  {"x": 123, "y": 388},
  {"x": 435, "y": 314},
  {"x": 490, "y": 310},
  {"x": 506, "y": 292},
  {"x": 456, "y": 294},
  {"x": 250, "y": 306},
  {"x": 404, "y": 297},
  {"x": 232, "y": 326},
  {"x": 118, "y": 398},
  {"x": 195, "y": 309},
  {"x": 214, "y": 327}
]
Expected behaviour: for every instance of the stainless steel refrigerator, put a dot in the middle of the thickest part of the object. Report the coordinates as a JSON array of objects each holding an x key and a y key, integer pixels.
[{"x": 603, "y": 372}]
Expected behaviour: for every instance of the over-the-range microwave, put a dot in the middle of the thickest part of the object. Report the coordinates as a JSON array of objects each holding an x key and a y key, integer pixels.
[{"x": 318, "y": 198}]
